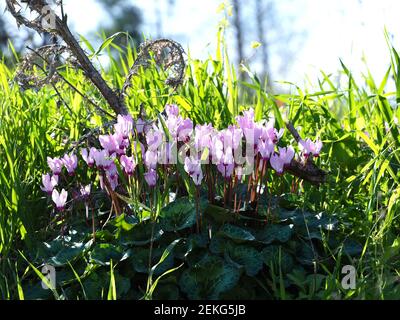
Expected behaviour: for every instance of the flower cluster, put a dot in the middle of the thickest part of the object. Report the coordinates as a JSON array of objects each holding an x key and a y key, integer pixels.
[{"x": 234, "y": 152}]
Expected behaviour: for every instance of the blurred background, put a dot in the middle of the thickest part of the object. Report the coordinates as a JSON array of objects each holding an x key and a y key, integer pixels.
[{"x": 298, "y": 37}]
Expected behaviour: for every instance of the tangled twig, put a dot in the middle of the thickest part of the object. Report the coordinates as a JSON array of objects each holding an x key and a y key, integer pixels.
[
  {"x": 167, "y": 54},
  {"x": 47, "y": 59}
]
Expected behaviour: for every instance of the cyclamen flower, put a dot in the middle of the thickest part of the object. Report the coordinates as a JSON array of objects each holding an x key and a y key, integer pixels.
[
  {"x": 112, "y": 171},
  {"x": 172, "y": 110},
  {"x": 231, "y": 137},
  {"x": 113, "y": 181},
  {"x": 286, "y": 155},
  {"x": 59, "y": 199},
  {"x": 266, "y": 148},
  {"x": 124, "y": 125},
  {"x": 246, "y": 121},
  {"x": 193, "y": 168},
  {"x": 70, "y": 162},
  {"x": 227, "y": 158},
  {"x": 172, "y": 123},
  {"x": 55, "y": 165},
  {"x": 113, "y": 143},
  {"x": 185, "y": 129},
  {"x": 151, "y": 177},
  {"x": 140, "y": 125},
  {"x": 154, "y": 138},
  {"x": 277, "y": 163},
  {"x": 197, "y": 177},
  {"x": 217, "y": 149},
  {"x": 269, "y": 132},
  {"x": 108, "y": 143},
  {"x": 192, "y": 165},
  {"x": 226, "y": 170},
  {"x": 227, "y": 163},
  {"x": 308, "y": 147},
  {"x": 88, "y": 157},
  {"x": 203, "y": 136},
  {"x": 151, "y": 159},
  {"x": 49, "y": 182},
  {"x": 128, "y": 163},
  {"x": 103, "y": 159}
]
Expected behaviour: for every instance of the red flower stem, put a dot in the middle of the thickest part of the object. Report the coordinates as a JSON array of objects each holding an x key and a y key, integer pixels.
[{"x": 266, "y": 193}]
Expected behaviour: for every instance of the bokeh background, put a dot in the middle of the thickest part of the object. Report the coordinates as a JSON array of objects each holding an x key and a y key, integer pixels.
[{"x": 299, "y": 37}]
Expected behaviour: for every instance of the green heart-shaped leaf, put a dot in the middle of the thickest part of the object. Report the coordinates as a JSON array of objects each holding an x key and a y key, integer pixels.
[
  {"x": 208, "y": 278},
  {"x": 178, "y": 215}
]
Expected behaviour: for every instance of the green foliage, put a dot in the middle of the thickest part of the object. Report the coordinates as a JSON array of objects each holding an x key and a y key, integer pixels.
[{"x": 194, "y": 265}]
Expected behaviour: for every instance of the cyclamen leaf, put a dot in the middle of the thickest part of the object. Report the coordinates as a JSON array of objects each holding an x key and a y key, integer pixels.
[
  {"x": 236, "y": 233},
  {"x": 178, "y": 215},
  {"x": 209, "y": 278}
]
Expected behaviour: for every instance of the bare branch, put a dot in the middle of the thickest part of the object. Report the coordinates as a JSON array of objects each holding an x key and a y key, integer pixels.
[{"x": 61, "y": 28}]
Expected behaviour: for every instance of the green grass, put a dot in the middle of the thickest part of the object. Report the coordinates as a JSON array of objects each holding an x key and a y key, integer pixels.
[{"x": 356, "y": 123}]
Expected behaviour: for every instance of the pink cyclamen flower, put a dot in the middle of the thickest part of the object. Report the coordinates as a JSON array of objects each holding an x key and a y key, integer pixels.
[
  {"x": 227, "y": 163},
  {"x": 203, "y": 136},
  {"x": 269, "y": 132},
  {"x": 140, "y": 125},
  {"x": 108, "y": 143},
  {"x": 226, "y": 170},
  {"x": 85, "y": 191},
  {"x": 197, "y": 177},
  {"x": 113, "y": 143},
  {"x": 59, "y": 199},
  {"x": 112, "y": 170},
  {"x": 113, "y": 181},
  {"x": 172, "y": 110},
  {"x": 309, "y": 147},
  {"x": 49, "y": 182},
  {"x": 227, "y": 158},
  {"x": 184, "y": 130},
  {"x": 88, "y": 157},
  {"x": 151, "y": 159},
  {"x": 246, "y": 121},
  {"x": 266, "y": 148},
  {"x": 172, "y": 123},
  {"x": 277, "y": 163},
  {"x": 151, "y": 177},
  {"x": 71, "y": 162},
  {"x": 103, "y": 159},
  {"x": 237, "y": 135},
  {"x": 217, "y": 149},
  {"x": 124, "y": 125},
  {"x": 286, "y": 155},
  {"x": 55, "y": 165},
  {"x": 128, "y": 163},
  {"x": 230, "y": 137},
  {"x": 154, "y": 138},
  {"x": 192, "y": 165},
  {"x": 250, "y": 129},
  {"x": 193, "y": 168}
]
